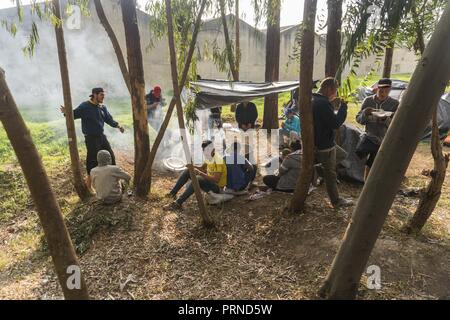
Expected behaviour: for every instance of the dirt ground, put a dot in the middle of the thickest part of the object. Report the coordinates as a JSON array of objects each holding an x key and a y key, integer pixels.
[{"x": 255, "y": 252}]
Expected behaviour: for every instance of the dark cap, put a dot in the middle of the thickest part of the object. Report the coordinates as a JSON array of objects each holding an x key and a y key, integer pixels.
[
  {"x": 96, "y": 91},
  {"x": 385, "y": 83},
  {"x": 206, "y": 144}
]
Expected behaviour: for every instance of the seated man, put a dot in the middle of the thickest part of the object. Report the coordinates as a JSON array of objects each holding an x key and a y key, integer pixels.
[
  {"x": 106, "y": 179},
  {"x": 290, "y": 129},
  {"x": 213, "y": 179},
  {"x": 240, "y": 172},
  {"x": 289, "y": 172}
]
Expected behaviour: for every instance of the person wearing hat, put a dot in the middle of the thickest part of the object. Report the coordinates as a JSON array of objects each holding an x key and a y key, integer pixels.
[
  {"x": 290, "y": 129},
  {"x": 376, "y": 114},
  {"x": 107, "y": 178},
  {"x": 154, "y": 110},
  {"x": 94, "y": 115}
]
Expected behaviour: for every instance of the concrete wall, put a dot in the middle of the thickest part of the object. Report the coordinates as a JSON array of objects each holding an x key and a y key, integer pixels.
[{"x": 92, "y": 60}]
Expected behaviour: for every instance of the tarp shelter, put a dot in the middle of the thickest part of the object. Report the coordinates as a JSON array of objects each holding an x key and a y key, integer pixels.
[
  {"x": 443, "y": 117},
  {"x": 216, "y": 93}
]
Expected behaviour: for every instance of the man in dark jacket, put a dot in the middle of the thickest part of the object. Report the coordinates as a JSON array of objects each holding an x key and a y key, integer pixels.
[
  {"x": 94, "y": 115},
  {"x": 246, "y": 115},
  {"x": 376, "y": 114},
  {"x": 326, "y": 121}
]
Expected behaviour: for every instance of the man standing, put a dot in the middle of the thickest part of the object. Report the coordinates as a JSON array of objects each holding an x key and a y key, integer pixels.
[
  {"x": 94, "y": 115},
  {"x": 325, "y": 124},
  {"x": 154, "y": 107},
  {"x": 376, "y": 114},
  {"x": 246, "y": 115}
]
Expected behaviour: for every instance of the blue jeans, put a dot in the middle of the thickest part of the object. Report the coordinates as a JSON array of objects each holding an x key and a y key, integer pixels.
[{"x": 205, "y": 185}]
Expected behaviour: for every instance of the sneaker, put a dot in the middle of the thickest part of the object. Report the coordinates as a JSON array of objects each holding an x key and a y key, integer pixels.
[
  {"x": 343, "y": 203},
  {"x": 174, "y": 206},
  {"x": 218, "y": 198},
  {"x": 235, "y": 193}
]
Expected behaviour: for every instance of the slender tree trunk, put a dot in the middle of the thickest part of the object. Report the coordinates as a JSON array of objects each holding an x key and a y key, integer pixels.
[
  {"x": 333, "y": 55},
  {"x": 305, "y": 97},
  {"x": 238, "y": 39},
  {"x": 388, "y": 58},
  {"x": 136, "y": 70},
  {"x": 427, "y": 86},
  {"x": 433, "y": 192},
  {"x": 270, "y": 119},
  {"x": 114, "y": 41},
  {"x": 228, "y": 44},
  {"x": 58, "y": 239},
  {"x": 207, "y": 220},
  {"x": 420, "y": 41},
  {"x": 80, "y": 185},
  {"x": 148, "y": 168}
]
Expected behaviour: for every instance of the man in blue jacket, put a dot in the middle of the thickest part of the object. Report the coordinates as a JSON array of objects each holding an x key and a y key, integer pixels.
[
  {"x": 326, "y": 121},
  {"x": 94, "y": 115}
]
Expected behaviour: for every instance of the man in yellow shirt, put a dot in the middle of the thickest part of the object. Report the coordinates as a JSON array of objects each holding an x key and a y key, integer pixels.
[{"x": 212, "y": 177}]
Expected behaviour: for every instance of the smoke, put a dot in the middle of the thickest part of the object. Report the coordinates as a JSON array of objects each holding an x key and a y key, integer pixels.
[{"x": 35, "y": 81}]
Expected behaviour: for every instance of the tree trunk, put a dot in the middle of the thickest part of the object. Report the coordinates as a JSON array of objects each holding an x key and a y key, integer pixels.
[
  {"x": 305, "y": 102},
  {"x": 80, "y": 185},
  {"x": 136, "y": 70},
  {"x": 419, "y": 45},
  {"x": 388, "y": 57},
  {"x": 207, "y": 220},
  {"x": 58, "y": 239},
  {"x": 148, "y": 168},
  {"x": 228, "y": 44},
  {"x": 333, "y": 55},
  {"x": 427, "y": 86},
  {"x": 433, "y": 192},
  {"x": 115, "y": 43},
  {"x": 270, "y": 120},
  {"x": 238, "y": 40}
]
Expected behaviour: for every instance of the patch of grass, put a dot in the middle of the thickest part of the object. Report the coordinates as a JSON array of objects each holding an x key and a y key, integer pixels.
[
  {"x": 86, "y": 220},
  {"x": 14, "y": 195},
  {"x": 283, "y": 98}
]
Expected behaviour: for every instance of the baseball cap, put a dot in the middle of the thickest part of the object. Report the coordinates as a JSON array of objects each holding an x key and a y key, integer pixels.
[
  {"x": 96, "y": 91},
  {"x": 157, "y": 91},
  {"x": 384, "y": 83}
]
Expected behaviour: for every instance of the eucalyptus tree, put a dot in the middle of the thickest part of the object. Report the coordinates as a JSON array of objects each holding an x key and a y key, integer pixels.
[
  {"x": 59, "y": 243},
  {"x": 49, "y": 11},
  {"x": 114, "y": 41},
  {"x": 334, "y": 37},
  {"x": 416, "y": 29},
  {"x": 137, "y": 85},
  {"x": 80, "y": 185},
  {"x": 207, "y": 220},
  {"x": 305, "y": 101},
  {"x": 272, "y": 74},
  {"x": 186, "y": 44},
  {"x": 417, "y": 106}
]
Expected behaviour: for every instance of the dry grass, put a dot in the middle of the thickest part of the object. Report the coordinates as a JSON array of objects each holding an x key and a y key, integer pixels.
[{"x": 255, "y": 251}]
